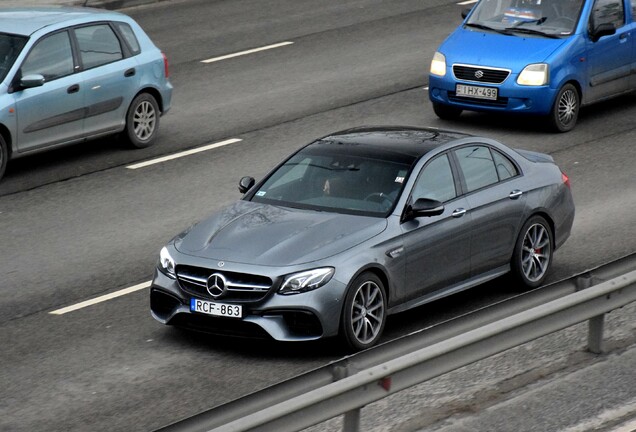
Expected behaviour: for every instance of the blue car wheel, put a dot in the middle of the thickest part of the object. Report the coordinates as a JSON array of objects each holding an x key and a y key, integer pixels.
[{"x": 565, "y": 110}]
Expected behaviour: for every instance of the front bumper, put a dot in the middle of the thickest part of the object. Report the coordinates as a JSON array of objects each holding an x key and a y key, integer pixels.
[
  {"x": 299, "y": 317},
  {"x": 512, "y": 98}
]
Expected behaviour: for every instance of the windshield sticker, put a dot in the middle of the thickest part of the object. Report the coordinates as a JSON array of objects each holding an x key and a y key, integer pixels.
[
  {"x": 261, "y": 193},
  {"x": 399, "y": 180}
]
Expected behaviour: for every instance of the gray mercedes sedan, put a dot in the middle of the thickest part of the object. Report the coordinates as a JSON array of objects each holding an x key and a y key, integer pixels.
[{"x": 361, "y": 224}]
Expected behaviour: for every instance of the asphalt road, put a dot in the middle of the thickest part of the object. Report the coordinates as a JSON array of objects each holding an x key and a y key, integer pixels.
[{"x": 79, "y": 224}]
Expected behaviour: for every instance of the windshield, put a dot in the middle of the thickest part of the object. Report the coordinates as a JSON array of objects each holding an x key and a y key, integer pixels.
[
  {"x": 547, "y": 18},
  {"x": 326, "y": 179},
  {"x": 10, "y": 47}
]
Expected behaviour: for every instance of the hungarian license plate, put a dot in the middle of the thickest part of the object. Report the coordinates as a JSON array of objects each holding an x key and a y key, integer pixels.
[
  {"x": 476, "y": 92},
  {"x": 216, "y": 309}
]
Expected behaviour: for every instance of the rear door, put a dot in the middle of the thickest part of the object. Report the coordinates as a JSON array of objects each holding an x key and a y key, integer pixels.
[
  {"x": 496, "y": 198},
  {"x": 110, "y": 76}
]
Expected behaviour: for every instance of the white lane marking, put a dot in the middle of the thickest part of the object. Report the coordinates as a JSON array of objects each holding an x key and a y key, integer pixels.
[
  {"x": 242, "y": 53},
  {"x": 101, "y": 299},
  {"x": 467, "y": 2},
  {"x": 184, "y": 153}
]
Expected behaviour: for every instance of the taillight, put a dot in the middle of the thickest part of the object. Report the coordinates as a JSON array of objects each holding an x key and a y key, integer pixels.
[
  {"x": 565, "y": 179},
  {"x": 166, "y": 70}
]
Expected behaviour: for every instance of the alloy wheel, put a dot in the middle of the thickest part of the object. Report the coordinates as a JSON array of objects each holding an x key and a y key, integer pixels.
[
  {"x": 367, "y": 312},
  {"x": 144, "y": 120},
  {"x": 568, "y": 106},
  {"x": 536, "y": 252}
]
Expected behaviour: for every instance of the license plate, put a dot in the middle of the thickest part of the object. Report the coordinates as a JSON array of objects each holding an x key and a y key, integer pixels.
[
  {"x": 216, "y": 309},
  {"x": 476, "y": 92}
]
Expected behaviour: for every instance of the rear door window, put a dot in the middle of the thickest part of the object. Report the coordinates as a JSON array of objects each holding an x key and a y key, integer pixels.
[
  {"x": 98, "y": 45},
  {"x": 478, "y": 166}
]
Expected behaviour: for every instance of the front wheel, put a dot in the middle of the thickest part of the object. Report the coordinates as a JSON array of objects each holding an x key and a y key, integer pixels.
[
  {"x": 364, "y": 313},
  {"x": 446, "y": 112},
  {"x": 532, "y": 256},
  {"x": 565, "y": 110},
  {"x": 142, "y": 121}
]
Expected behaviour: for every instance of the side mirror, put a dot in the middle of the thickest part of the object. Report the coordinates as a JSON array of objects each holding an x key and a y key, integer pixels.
[
  {"x": 465, "y": 12},
  {"x": 424, "y": 207},
  {"x": 601, "y": 30},
  {"x": 246, "y": 184},
  {"x": 32, "y": 80}
]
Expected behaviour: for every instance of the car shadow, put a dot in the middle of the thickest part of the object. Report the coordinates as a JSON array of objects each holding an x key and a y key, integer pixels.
[{"x": 529, "y": 124}]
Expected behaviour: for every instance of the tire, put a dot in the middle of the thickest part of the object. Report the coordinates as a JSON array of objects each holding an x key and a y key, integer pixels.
[
  {"x": 142, "y": 121},
  {"x": 4, "y": 156},
  {"x": 565, "y": 110},
  {"x": 364, "y": 312},
  {"x": 532, "y": 256},
  {"x": 446, "y": 112}
]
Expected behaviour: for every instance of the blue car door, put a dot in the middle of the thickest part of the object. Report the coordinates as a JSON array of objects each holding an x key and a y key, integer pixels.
[
  {"x": 610, "y": 57},
  {"x": 110, "y": 77},
  {"x": 54, "y": 112}
]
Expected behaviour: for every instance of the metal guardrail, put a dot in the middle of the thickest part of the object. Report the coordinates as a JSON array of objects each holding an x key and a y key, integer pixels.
[{"x": 316, "y": 397}]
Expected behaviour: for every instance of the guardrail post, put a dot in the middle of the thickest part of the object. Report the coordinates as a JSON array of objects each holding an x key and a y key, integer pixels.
[
  {"x": 595, "y": 334},
  {"x": 351, "y": 422}
]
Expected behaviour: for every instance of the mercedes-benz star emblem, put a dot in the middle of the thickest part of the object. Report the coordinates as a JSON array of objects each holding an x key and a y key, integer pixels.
[
  {"x": 217, "y": 285},
  {"x": 479, "y": 74}
]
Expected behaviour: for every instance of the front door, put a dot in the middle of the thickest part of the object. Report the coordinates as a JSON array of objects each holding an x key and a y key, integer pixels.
[
  {"x": 610, "y": 57},
  {"x": 54, "y": 112},
  {"x": 438, "y": 247}
]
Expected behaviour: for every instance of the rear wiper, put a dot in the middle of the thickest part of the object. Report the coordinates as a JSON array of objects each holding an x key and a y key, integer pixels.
[
  {"x": 532, "y": 31},
  {"x": 485, "y": 27}
]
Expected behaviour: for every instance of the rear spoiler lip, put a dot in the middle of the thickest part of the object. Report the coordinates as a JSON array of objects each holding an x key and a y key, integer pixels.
[{"x": 535, "y": 156}]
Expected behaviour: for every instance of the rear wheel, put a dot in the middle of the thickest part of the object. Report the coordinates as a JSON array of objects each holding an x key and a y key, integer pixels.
[
  {"x": 446, "y": 112},
  {"x": 4, "y": 156},
  {"x": 565, "y": 110},
  {"x": 533, "y": 252},
  {"x": 364, "y": 313},
  {"x": 142, "y": 121}
]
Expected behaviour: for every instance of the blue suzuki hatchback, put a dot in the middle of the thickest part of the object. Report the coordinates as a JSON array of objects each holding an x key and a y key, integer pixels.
[
  {"x": 542, "y": 57},
  {"x": 71, "y": 74}
]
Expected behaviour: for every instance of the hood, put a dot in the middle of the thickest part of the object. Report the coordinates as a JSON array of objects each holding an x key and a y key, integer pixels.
[
  {"x": 482, "y": 48},
  {"x": 262, "y": 234}
]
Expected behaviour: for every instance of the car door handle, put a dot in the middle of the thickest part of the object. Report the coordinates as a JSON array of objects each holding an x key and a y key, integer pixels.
[
  {"x": 459, "y": 212},
  {"x": 515, "y": 194},
  {"x": 73, "y": 89},
  {"x": 130, "y": 72}
]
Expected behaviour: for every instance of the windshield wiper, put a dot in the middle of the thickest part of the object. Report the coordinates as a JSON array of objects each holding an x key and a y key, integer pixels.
[
  {"x": 532, "y": 31},
  {"x": 485, "y": 27}
]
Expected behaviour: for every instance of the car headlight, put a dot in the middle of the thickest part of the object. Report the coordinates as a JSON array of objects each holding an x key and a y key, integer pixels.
[
  {"x": 306, "y": 280},
  {"x": 438, "y": 64},
  {"x": 534, "y": 75},
  {"x": 166, "y": 263}
]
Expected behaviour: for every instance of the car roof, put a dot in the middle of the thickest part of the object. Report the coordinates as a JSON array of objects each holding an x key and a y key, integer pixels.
[
  {"x": 411, "y": 142},
  {"x": 27, "y": 20}
]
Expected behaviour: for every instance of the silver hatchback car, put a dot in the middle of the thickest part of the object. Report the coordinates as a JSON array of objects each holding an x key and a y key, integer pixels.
[{"x": 72, "y": 74}]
